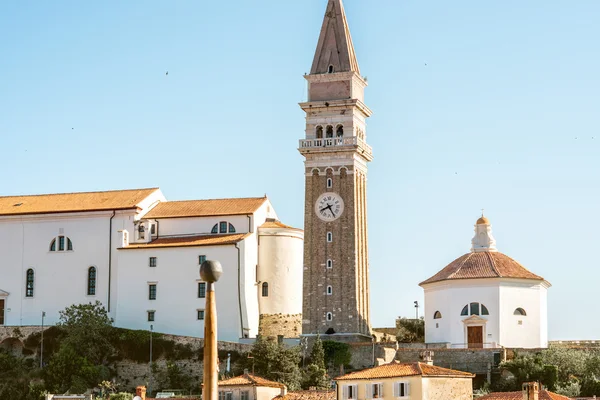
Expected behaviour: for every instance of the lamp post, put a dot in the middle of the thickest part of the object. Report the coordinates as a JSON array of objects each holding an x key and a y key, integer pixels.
[
  {"x": 210, "y": 272},
  {"x": 42, "y": 342},
  {"x": 417, "y": 309},
  {"x": 150, "y": 379}
]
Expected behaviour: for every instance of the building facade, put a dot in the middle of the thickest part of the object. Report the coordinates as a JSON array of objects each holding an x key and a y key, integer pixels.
[
  {"x": 486, "y": 299},
  {"x": 336, "y": 268},
  {"x": 139, "y": 255}
]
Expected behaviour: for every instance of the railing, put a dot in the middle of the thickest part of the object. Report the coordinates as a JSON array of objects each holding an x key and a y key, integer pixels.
[
  {"x": 492, "y": 345},
  {"x": 334, "y": 142}
]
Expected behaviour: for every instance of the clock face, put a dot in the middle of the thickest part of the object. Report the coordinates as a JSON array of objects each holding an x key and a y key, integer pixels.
[{"x": 329, "y": 206}]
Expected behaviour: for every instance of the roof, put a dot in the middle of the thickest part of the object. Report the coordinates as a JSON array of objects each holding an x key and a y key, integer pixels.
[
  {"x": 190, "y": 241},
  {"x": 486, "y": 264},
  {"x": 335, "y": 45},
  {"x": 483, "y": 221},
  {"x": 73, "y": 202},
  {"x": 206, "y": 208},
  {"x": 396, "y": 369},
  {"x": 543, "y": 395},
  {"x": 273, "y": 223},
  {"x": 309, "y": 395},
  {"x": 250, "y": 380}
]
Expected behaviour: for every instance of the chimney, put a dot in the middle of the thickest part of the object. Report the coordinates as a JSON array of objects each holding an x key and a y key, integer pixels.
[
  {"x": 246, "y": 372},
  {"x": 141, "y": 391},
  {"x": 427, "y": 356},
  {"x": 531, "y": 391},
  {"x": 283, "y": 390}
]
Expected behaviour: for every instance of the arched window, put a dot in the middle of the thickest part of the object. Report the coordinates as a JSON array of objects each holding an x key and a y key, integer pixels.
[
  {"x": 329, "y": 131},
  {"x": 339, "y": 131},
  {"x": 330, "y": 70},
  {"x": 520, "y": 311},
  {"x": 329, "y": 316},
  {"x": 319, "y": 132},
  {"x": 265, "y": 289},
  {"x": 69, "y": 245},
  {"x": 329, "y": 264},
  {"x": 329, "y": 183},
  {"x": 437, "y": 315},
  {"x": 53, "y": 245},
  {"x": 30, "y": 283},
  {"x": 215, "y": 229},
  {"x": 329, "y": 290},
  {"x": 474, "y": 309},
  {"x": 61, "y": 243},
  {"x": 231, "y": 229},
  {"x": 91, "y": 286},
  {"x": 223, "y": 227}
]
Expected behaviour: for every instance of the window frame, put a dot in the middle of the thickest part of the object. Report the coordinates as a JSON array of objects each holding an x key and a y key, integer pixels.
[
  {"x": 330, "y": 264},
  {"x": 29, "y": 283},
  {"x": 520, "y": 312},
  {"x": 244, "y": 395},
  {"x": 329, "y": 316},
  {"x": 61, "y": 243},
  {"x": 200, "y": 314},
  {"x": 350, "y": 392},
  {"x": 329, "y": 183},
  {"x": 329, "y": 237},
  {"x": 53, "y": 245},
  {"x": 437, "y": 315},
  {"x": 151, "y": 315},
  {"x": 152, "y": 291},
  {"x": 92, "y": 281},
  {"x": 201, "y": 290},
  {"x": 405, "y": 388},
  {"x": 329, "y": 290},
  {"x": 371, "y": 388},
  {"x": 201, "y": 259},
  {"x": 152, "y": 262},
  {"x": 231, "y": 228},
  {"x": 221, "y": 225},
  {"x": 215, "y": 229},
  {"x": 265, "y": 289}
]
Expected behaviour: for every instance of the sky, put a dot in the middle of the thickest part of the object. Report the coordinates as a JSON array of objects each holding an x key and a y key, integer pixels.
[{"x": 477, "y": 105}]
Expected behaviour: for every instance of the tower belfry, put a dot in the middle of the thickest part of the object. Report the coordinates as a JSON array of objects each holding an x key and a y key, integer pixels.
[{"x": 336, "y": 267}]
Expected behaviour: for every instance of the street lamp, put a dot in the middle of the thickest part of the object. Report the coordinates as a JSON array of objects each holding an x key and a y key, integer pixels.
[
  {"x": 42, "y": 342},
  {"x": 210, "y": 272},
  {"x": 417, "y": 309}
]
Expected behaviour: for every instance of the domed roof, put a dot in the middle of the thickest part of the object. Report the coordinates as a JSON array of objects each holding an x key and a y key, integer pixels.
[
  {"x": 486, "y": 264},
  {"x": 483, "y": 221}
]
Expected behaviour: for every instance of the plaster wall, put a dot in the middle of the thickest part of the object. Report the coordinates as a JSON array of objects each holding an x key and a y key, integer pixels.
[
  {"x": 530, "y": 331},
  {"x": 447, "y": 388},
  {"x": 199, "y": 225},
  {"x": 364, "y": 387}
]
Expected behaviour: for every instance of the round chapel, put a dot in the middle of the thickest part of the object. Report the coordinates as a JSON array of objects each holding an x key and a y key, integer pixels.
[{"x": 485, "y": 299}]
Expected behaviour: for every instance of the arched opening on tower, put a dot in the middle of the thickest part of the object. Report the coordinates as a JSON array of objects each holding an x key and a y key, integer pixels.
[
  {"x": 340, "y": 131},
  {"x": 319, "y": 132},
  {"x": 329, "y": 131}
]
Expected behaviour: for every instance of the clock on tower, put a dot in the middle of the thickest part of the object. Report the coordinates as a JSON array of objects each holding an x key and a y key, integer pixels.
[{"x": 336, "y": 267}]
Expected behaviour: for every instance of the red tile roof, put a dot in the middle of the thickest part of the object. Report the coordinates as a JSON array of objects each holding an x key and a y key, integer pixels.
[
  {"x": 395, "y": 369},
  {"x": 206, "y": 208},
  {"x": 250, "y": 380},
  {"x": 73, "y": 202},
  {"x": 272, "y": 223},
  {"x": 190, "y": 241},
  {"x": 309, "y": 395},
  {"x": 543, "y": 395},
  {"x": 486, "y": 264}
]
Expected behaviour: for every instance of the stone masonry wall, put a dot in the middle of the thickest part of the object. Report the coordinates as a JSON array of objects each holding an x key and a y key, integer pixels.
[{"x": 288, "y": 325}]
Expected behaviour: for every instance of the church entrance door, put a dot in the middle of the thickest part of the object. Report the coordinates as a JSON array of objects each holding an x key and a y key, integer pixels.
[
  {"x": 1, "y": 311},
  {"x": 475, "y": 337}
]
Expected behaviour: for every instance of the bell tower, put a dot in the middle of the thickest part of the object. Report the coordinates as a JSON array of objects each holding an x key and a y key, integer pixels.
[{"x": 336, "y": 266}]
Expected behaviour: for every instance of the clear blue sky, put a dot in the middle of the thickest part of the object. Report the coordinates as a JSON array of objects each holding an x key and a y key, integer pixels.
[{"x": 504, "y": 116}]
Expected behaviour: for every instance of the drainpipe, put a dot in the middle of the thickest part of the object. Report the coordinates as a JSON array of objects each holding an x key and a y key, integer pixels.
[
  {"x": 240, "y": 287},
  {"x": 249, "y": 223},
  {"x": 157, "y": 228},
  {"x": 110, "y": 255}
]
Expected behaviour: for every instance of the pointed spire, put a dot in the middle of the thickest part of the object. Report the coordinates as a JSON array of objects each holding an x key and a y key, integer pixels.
[
  {"x": 335, "y": 48},
  {"x": 483, "y": 239}
]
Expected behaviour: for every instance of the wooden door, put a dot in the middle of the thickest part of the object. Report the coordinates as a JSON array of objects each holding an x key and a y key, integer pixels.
[
  {"x": 475, "y": 337},
  {"x": 1, "y": 311}
]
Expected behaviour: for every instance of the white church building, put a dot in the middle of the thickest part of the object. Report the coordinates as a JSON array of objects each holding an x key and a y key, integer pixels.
[
  {"x": 139, "y": 255},
  {"x": 486, "y": 299}
]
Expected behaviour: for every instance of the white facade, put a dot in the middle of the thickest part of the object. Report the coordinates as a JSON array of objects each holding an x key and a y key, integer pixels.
[
  {"x": 486, "y": 300},
  {"x": 111, "y": 242}
]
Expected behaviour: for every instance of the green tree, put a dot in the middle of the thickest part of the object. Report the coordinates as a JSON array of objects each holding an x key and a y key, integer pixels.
[
  {"x": 315, "y": 374},
  {"x": 15, "y": 376},
  {"x": 410, "y": 330},
  {"x": 69, "y": 371},
  {"x": 337, "y": 353},
  {"x": 88, "y": 329},
  {"x": 276, "y": 362},
  {"x": 529, "y": 369}
]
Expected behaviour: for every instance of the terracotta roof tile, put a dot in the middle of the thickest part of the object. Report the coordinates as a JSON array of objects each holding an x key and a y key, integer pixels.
[
  {"x": 272, "y": 223},
  {"x": 395, "y": 369},
  {"x": 309, "y": 395},
  {"x": 73, "y": 202},
  {"x": 190, "y": 241},
  {"x": 206, "y": 208},
  {"x": 482, "y": 265},
  {"x": 543, "y": 395},
  {"x": 250, "y": 380}
]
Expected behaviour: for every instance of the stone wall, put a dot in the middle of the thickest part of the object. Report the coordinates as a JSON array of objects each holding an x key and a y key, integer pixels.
[{"x": 273, "y": 325}]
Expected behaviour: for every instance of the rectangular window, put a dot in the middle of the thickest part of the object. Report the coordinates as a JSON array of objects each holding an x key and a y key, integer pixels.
[
  {"x": 200, "y": 315},
  {"x": 151, "y": 316},
  {"x": 244, "y": 395},
  {"x": 401, "y": 389},
  {"x": 201, "y": 259},
  {"x": 350, "y": 392},
  {"x": 152, "y": 262},
  {"x": 153, "y": 229},
  {"x": 1, "y": 311},
  {"x": 223, "y": 227},
  {"x": 201, "y": 290},
  {"x": 61, "y": 243},
  {"x": 228, "y": 395},
  {"x": 152, "y": 292},
  {"x": 376, "y": 390},
  {"x": 474, "y": 308}
]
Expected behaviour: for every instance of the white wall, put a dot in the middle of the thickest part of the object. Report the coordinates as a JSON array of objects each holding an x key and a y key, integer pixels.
[{"x": 501, "y": 297}]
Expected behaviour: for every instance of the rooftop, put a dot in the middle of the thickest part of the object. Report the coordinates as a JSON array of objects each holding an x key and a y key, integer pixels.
[
  {"x": 543, "y": 395},
  {"x": 486, "y": 264},
  {"x": 273, "y": 223},
  {"x": 190, "y": 241},
  {"x": 73, "y": 202},
  {"x": 309, "y": 395},
  {"x": 250, "y": 380},
  {"x": 206, "y": 208},
  {"x": 396, "y": 369}
]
